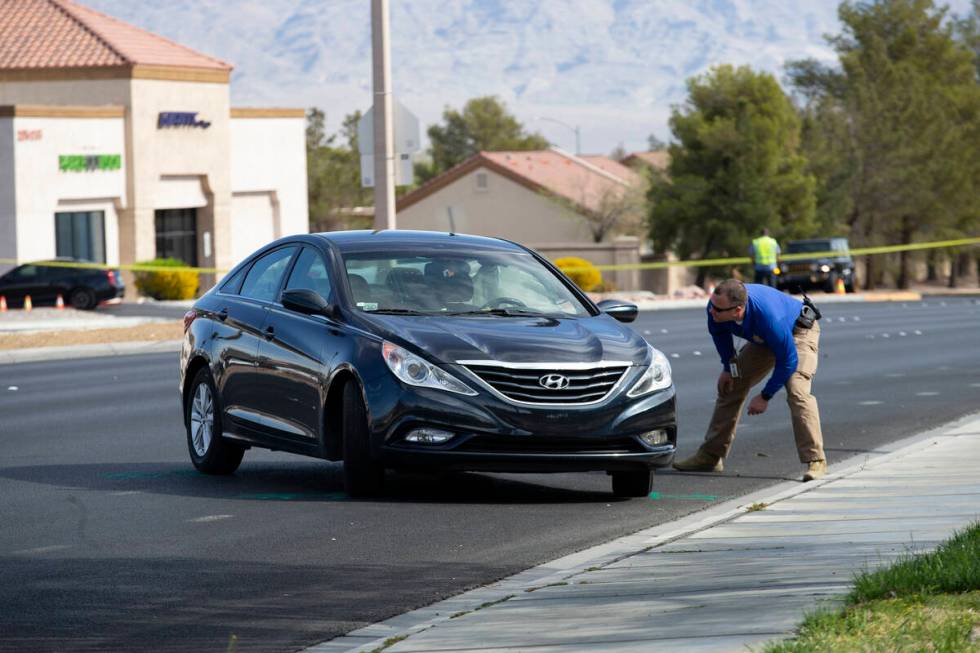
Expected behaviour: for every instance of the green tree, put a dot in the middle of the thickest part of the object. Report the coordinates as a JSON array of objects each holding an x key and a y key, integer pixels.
[
  {"x": 334, "y": 173},
  {"x": 735, "y": 167},
  {"x": 900, "y": 116},
  {"x": 483, "y": 124}
]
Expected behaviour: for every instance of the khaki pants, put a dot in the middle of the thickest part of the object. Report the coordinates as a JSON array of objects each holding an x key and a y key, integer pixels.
[{"x": 754, "y": 364}]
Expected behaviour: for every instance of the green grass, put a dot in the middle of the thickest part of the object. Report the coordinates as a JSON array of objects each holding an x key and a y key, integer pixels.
[{"x": 929, "y": 602}]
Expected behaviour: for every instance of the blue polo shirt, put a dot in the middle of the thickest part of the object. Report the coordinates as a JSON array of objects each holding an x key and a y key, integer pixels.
[{"x": 770, "y": 316}]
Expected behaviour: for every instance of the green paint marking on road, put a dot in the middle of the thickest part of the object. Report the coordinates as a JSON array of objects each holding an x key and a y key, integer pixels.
[
  {"x": 294, "y": 496},
  {"x": 656, "y": 496},
  {"x": 129, "y": 476}
]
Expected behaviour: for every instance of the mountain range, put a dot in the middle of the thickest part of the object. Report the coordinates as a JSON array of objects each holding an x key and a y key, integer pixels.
[{"x": 610, "y": 68}]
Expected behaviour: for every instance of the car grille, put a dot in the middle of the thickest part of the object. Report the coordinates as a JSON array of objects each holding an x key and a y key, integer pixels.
[{"x": 524, "y": 383}]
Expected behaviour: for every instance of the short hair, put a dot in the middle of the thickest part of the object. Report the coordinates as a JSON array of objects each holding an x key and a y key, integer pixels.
[
  {"x": 734, "y": 290},
  {"x": 765, "y": 231}
]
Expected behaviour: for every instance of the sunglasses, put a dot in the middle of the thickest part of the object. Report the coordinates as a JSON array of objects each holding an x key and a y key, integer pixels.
[{"x": 718, "y": 309}]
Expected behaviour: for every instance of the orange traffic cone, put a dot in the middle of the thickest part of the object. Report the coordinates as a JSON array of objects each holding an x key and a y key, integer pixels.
[
  {"x": 28, "y": 305},
  {"x": 3, "y": 304},
  {"x": 60, "y": 302},
  {"x": 839, "y": 288}
]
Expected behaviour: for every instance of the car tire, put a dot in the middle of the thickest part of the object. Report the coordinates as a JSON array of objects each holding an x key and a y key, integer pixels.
[
  {"x": 632, "y": 484},
  {"x": 210, "y": 453},
  {"x": 363, "y": 476},
  {"x": 82, "y": 299}
]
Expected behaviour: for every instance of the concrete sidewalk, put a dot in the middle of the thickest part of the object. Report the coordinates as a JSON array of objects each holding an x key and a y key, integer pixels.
[{"x": 719, "y": 580}]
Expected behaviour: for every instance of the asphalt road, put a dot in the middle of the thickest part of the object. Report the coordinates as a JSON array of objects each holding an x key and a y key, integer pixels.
[{"x": 111, "y": 541}]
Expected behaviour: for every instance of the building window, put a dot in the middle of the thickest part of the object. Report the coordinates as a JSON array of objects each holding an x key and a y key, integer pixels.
[
  {"x": 481, "y": 181},
  {"x": 177, "y": 234},
  {"x": 80, "y": 235}
]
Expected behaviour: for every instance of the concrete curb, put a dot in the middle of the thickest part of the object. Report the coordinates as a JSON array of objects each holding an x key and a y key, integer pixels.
[
  {"x": 376, "y": 636},
  {"x": 89, "y": 351}
]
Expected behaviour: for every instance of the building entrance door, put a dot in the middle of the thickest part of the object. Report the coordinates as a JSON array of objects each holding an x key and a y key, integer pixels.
[{"x": 176, "y": 234}]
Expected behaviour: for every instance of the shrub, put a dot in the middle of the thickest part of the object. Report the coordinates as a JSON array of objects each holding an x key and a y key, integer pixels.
[
  {"x": 583, "y": 273},
  {"x": 160, "y": 284}
]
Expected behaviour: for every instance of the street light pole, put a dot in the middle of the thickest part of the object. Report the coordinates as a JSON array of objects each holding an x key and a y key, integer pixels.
[
  {"x": 578, "y": 142},
  {"x": 384, "y": 146}
]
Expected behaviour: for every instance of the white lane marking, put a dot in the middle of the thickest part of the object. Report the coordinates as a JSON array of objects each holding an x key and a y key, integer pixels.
[
  {"x": 917, "y": 332},
  {"x": 13, "y": 388},
  {"x": 209, "y": 518},
  {"x": 696, "y": 352},
  {"x": 895, "y": 375},
  {"x": 856, "y": 318},
  {"x": 647, "y": 332},
  {"x": 975, "y": 385},
  {"x": 123, "y": 493},
  {"x": 845, "y": 383},
  {"x": 43, "y": 549},
  {"x": 675, "y": 355},
  {"x": 926, "y": 394},
  {"x": 869, "y": 403},
  {"x": 902, "y": 333},
  {"x": 664, "y": 331},
  {"x": 885, "y": 335},
  {"x": 842, "y": 319},
  {"x": 871, "y": 337}
]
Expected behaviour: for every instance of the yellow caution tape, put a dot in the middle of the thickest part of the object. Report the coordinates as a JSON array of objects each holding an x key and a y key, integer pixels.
[
  {"x": 135, "y": 267},
  {"x": 738, "y": 260}
]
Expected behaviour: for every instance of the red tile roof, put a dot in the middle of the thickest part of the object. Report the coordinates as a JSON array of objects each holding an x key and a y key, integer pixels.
[
  {"x": 45, "y": 34},
  {"x": 659, "y": 160},
  {"x": 583, "y": 181}
]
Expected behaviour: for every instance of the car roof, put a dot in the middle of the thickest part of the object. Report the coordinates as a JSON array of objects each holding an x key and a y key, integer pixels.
[
  {"x": 819, "y": 240},
  {"x": 399, "y": 238}
]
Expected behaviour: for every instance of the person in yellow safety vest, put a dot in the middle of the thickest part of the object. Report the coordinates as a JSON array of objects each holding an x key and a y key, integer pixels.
[{"x": 765, "y": 255}]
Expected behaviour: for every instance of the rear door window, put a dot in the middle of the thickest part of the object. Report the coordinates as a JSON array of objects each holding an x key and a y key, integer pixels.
[{"x": 264, "y": 279}]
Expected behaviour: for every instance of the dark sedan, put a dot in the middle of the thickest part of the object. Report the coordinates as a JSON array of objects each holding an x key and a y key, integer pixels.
[
  {"x": 80, "y": 287},
  {"x": 399, "y": 349}
]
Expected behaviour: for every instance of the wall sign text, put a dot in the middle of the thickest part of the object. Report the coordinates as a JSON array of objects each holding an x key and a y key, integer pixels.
[
  {"x": 89, "y": 162},
  {"x": 28, "y": 134},
  {"x": 180, "y": 119}
]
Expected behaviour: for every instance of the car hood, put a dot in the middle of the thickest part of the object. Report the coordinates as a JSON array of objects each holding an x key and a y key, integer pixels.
[{"x": 515, "y": 339}]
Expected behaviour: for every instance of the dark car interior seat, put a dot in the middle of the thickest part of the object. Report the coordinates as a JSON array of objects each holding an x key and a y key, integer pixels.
[
  {"x": 360, "y": 288},
  {"x": 451, "y": 283},
  {"x": 408, "y": 288}
]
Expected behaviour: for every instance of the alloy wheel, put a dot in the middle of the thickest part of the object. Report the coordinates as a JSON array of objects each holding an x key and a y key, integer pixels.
[{"x": 202, "y": 419}]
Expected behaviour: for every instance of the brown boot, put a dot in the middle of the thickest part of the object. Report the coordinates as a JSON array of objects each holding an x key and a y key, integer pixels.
[
  {"x": 815, "y": 469},
  {"x": 702, "y": 461}
]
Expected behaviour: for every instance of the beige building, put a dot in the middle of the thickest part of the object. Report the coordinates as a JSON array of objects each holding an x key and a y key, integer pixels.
[
  {"x": 117, "y": 146},
  {"x": 546, "y": 199}
]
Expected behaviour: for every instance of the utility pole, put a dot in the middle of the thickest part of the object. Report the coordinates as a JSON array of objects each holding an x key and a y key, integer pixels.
[{"x": 384, "y": 147}]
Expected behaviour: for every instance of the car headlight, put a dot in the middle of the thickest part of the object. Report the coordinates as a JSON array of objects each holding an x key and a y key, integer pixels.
[
  {"x": 825, "y": 268},
  {"x": 413, "y": 370},
  {"x": 656, "y": 377}
]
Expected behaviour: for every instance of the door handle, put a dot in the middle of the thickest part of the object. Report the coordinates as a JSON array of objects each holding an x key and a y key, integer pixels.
[
  {"x": 270, "y": 332},
  {"x": 222, "y": 314}
]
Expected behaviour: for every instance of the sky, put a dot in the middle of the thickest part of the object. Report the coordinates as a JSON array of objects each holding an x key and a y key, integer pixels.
[{"x": 612, "y": 69}]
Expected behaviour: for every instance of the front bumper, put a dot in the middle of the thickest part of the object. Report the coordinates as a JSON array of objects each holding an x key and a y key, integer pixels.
[{"x": 494, "y": 435}]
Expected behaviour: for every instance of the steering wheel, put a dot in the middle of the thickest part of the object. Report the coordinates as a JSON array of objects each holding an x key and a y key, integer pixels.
[{"x": 500, "y": 302}]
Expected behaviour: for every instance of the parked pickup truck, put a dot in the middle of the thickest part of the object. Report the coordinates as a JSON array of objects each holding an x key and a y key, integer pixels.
[{"x": 831, "y": 261}]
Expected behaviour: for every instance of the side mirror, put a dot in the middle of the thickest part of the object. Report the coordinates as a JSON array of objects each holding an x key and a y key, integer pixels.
[
  {"x": 620, "y": 310},
  {"x": 304, "y": 300}
]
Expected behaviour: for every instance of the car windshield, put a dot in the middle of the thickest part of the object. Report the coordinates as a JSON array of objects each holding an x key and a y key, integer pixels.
[
  {"x": 806, "y": 248},
  {"x": 456, "y": 283}
]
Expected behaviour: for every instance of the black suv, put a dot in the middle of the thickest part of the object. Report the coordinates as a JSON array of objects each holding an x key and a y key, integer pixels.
[
  {"x": 831, "y": 261},
  {"x": 396, "y": 349},
  {"x": 82, "y": 288}
]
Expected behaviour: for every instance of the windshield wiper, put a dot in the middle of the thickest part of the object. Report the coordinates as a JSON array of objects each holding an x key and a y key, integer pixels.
[
  {"x": 504, "y": 312},
  {"x": 397, "y": 311}
]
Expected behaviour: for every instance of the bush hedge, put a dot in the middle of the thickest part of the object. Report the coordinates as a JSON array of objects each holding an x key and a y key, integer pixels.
[
  {"x": 160, "y": 284},
  {"x": 585, "y": 275}
]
